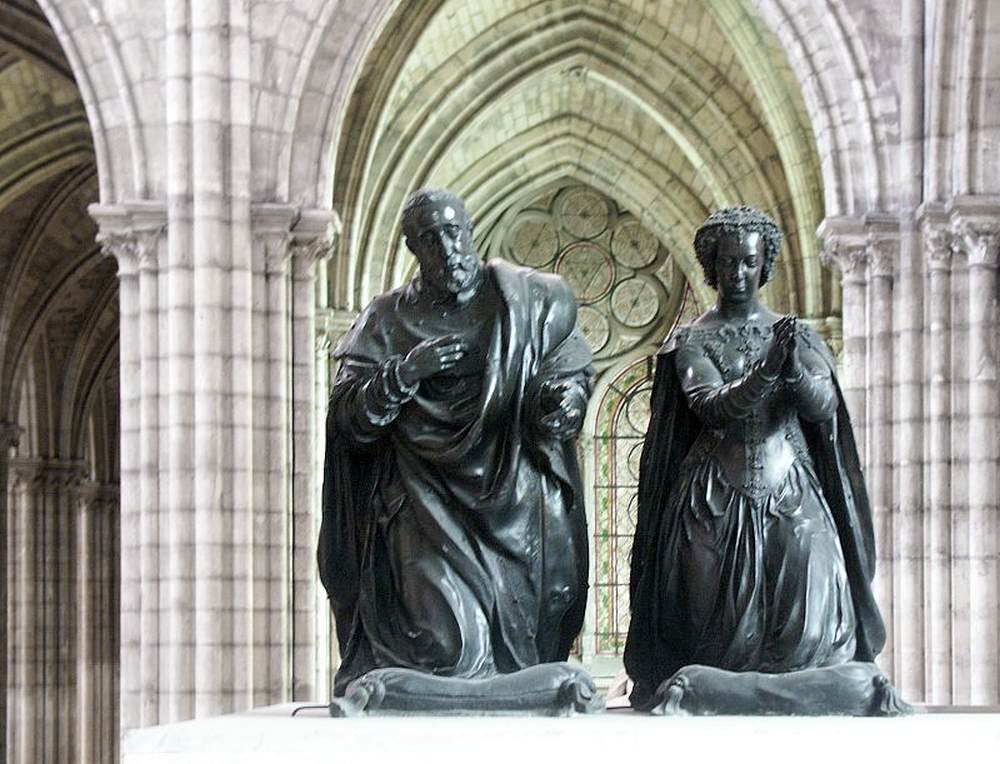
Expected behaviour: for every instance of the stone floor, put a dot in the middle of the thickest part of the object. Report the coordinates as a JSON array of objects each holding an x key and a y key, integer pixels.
[{"x": 945, "y": 736}]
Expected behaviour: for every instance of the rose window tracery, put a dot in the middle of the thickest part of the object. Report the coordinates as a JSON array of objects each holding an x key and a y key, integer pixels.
[{"x": 628, "y": 287}]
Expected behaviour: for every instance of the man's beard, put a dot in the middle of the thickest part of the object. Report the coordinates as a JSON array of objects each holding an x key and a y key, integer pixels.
[{"x": 459, "y": 279}]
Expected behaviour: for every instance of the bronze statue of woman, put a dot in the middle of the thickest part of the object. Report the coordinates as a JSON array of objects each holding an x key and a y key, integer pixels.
[{"x": 754, "y": 551}]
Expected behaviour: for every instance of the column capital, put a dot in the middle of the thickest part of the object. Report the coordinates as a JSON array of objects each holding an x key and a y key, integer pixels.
[
  {"x": 863, "y": 246},
  {"x": 937, "y": 235},
  {"x": 272, "y": 230},
  {"x": 975, "y": 222},
  {"x": 131, "y": 233},
  {"x": 315, "y": 236},
  {"x": 48, "y": 474},
  {"x": 99, "y": 497},
  {"x": 291, "y": 234},
  {"x": 883, "y": 254},
  {"x": 848, "y": 256}
]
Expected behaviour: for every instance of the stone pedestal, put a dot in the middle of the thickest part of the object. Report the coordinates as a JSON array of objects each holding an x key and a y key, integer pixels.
[{"x": 271, "y": 734}]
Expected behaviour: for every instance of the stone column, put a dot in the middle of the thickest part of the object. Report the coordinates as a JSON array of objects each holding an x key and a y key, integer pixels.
[
  {"x": 313, "y": 239},
  {"x": 289, "y": 246},
  {"x": 846, "y": 248},
  {"x": 9, "y": 433},
  {"x": 134, "y": 235},
  {"x": 42, "y": 683},
  {"x": 271, "y": 477},
  {"x": 937, "y": 240},
  {"x": 959, "y": 448},
  {"x": 97, "y": 622},
  {"x": 883, "y": 254},
  {"x": 977, "y": 226},
  {"x": 907, "y": 466}
]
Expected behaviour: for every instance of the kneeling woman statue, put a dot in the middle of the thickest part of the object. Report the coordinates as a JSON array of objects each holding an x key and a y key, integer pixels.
[{"x": 754, "y": 553}]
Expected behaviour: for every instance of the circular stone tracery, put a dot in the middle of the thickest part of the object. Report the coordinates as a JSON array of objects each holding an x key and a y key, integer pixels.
[
  {"x": 626, "y": 283},
  {"x": 595, "y": 327},
  {"x": 534, "y": 239},
  {"x": 634, "y": 302},
  {"x": 588, "y": 270},
  {"x": 632, "y": 245},
  {"x": 582, "y": 212}
]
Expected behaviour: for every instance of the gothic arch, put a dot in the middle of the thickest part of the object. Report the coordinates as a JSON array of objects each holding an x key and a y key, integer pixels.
[
  {"x": 851, "y": 133},
  {"x": 103, "y": 71},
  {"x": 605, "y": 45}
]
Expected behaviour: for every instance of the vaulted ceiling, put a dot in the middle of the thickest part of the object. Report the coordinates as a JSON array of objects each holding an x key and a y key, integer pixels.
[
  {"x": 58, "y": 295},
  {"x": 672, "y": 109}
]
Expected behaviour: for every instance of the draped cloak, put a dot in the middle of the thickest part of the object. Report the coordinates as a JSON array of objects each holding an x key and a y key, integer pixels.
[
  {"x": 454, "y": 540},
  {"x": 654, "y": 650}
]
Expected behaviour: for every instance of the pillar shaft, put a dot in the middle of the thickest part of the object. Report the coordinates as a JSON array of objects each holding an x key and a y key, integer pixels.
[
  {"x": 879, "y": 457},
  {"x": 42, "y": 684},
  {"x": 9, "y": 433},
  {"x": 980, "y": 237},
  {"x": 937, "y": 569}
]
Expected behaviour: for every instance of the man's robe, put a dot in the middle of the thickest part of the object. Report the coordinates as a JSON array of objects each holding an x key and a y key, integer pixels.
[{"x": 454, "y": 532}]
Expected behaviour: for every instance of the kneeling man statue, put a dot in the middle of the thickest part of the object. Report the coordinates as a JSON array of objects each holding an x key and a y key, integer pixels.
[{"x": 454, "y": 544}]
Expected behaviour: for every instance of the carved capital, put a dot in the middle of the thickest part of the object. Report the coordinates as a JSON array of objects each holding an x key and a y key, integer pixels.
[
  {"x": 938, "y": 245},
  {"x": 845, "y": 247},
  {"x": 272, "y": 233},
  {"x": 883, "y": 256},
  {"x": 975, "y": 222},
  {"x": 134, "y": 249},
  {"x": 850, "y": 258},
  {"x": 979, "y": 241},
  {"x": 307, "y": 252},
  {"x": 286, "y": 235},
  {"x": 99, "y": 497},
  {"x": 131, "y": 233},
  {"x": 275, "y": 250},
  {"x": 49, "y": 475}
]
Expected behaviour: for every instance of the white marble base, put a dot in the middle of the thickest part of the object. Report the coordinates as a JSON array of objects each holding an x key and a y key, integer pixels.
[{"x": 270, "y": 735}]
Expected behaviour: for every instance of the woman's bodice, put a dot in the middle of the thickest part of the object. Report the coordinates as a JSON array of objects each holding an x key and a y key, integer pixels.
[{"x": 754, "y": 453}]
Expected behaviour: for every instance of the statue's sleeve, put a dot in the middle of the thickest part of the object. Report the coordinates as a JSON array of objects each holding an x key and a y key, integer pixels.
[
  {"x": 812, "y": 390},
  {"x": 713, "y": 401},
  {"x": 567, "y": 360},
  {"x": 368, "y": 397}
]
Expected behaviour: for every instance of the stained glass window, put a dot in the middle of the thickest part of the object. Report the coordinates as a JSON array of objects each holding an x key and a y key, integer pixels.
[{"x": 621, "y": 425}]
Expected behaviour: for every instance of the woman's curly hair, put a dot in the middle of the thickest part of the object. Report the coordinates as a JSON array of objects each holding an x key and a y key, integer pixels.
[{"x": 736, "y": 221}]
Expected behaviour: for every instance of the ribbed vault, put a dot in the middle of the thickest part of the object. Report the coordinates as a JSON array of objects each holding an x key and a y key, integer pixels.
[
  {"x": 672, "y": 111},
  {"x": 58, "y": 298}
]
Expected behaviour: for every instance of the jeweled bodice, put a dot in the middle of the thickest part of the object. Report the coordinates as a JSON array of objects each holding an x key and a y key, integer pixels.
[{"x": 754, "y": 452}]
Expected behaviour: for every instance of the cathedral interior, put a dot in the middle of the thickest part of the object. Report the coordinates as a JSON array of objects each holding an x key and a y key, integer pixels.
[{"x": 197, "y": 197}]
